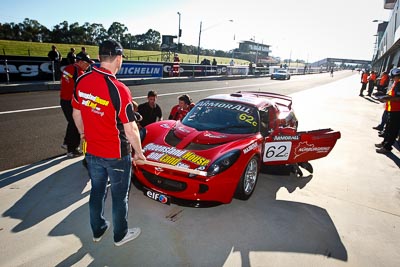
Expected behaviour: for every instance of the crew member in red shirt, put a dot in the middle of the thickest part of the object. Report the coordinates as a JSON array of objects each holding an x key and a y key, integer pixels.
[
  {"x": 364, "y": 81},
  {"x": 371, "y": 82},
  {"x": 383, "y": 82},
  {"x": 392, "y": 106},
  {"x": 178, "y": 112},
  {"x": 175, "y": 66},
  {"x": 104, "y": 116},
  {"x": 69, "y": 76}
]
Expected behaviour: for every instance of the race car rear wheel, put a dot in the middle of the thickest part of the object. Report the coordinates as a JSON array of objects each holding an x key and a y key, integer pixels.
[{"x": 248, "y": 181}]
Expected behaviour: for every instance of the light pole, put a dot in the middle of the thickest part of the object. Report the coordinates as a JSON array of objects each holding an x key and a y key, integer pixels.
[
  {"x": 179, "y": 29},
  {"x": 198, "y": 46},
  {"x": 378, "y": 36},
  {"x": 375, "y": 45}
]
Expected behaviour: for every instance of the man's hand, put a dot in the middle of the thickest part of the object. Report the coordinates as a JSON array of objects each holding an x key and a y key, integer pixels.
[{"x": 138, "y": 156}]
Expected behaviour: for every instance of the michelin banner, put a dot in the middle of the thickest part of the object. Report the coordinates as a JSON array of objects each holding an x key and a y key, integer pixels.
[{"x": 139, "y": 70}]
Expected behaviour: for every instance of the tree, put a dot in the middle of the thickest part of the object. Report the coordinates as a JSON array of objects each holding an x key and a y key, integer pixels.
[
  {"x": 129, "y": 41},
  {"x": 44, "y": 35},
  {"x": 152, "y": 40},
  {"x": 220, "y": 53},
  {"x": 148, "y": 41},
  {"x": 117, "y": 31},
  {"x": 31, "y": 30},
  {"x": 6, "y": 31},
  {"x": 77, "y": 34},
  {"x": 97, "y": 33},
  {"x": 60, "y": 33}
]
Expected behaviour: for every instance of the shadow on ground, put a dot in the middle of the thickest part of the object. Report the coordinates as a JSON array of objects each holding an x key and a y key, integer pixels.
[
  {"x": 48, "y": 197},
  {"x": 20, "y": 173},
  {"x": 211, "y": 236}
]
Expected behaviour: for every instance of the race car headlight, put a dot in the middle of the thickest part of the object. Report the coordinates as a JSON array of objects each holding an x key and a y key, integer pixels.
[{"x": 223, "y": 163}]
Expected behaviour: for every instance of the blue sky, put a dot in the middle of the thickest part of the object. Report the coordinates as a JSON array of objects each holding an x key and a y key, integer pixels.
[{"x": 306, "y": 29}]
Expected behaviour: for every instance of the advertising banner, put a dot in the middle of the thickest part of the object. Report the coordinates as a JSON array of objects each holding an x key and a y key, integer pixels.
[
  {"x": 195, "y": 70},
  {"x": 139, "y": 70},
  {"x": 24, "y": 68}
]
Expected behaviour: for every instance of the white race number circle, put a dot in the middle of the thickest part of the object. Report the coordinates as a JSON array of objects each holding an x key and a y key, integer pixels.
[{"x": 277, "y": 151}]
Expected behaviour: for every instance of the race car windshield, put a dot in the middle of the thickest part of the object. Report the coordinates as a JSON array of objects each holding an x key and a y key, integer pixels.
[{"x": 223, "y": 116}]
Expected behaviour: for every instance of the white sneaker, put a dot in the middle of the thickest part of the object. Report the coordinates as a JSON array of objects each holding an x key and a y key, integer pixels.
[
  {"x": 98, "y": 239},
  {"x": 132, "y": 233}
]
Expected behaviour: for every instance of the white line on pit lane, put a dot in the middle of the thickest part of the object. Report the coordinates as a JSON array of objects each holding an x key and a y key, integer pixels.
[
  {"x": 139, "y": 97},
  {"x": 26, "y": 110}
]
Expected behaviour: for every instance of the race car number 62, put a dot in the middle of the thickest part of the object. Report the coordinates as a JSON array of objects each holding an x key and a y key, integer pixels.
[{"x": 277, "y": 151}]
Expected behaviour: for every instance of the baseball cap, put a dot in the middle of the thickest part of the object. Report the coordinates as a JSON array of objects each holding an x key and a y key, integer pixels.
[
  {"x": 111, "y": 48},
  {"x": 84, "y": 57}
]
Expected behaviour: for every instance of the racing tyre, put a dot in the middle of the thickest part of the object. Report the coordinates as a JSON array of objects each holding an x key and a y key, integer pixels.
[{"x": 248, "y": 181}]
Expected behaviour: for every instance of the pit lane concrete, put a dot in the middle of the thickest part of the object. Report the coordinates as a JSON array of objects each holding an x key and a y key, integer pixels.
[{"x": 345, "y": 214}]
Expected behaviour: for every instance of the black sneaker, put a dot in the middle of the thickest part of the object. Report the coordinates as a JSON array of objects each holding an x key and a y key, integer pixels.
[
  {"x": 377, "y": 128},
  {"x": 74, "y": 154},
  {"x": 382, "y": 150},
  {"x": 380, "y": 145}
]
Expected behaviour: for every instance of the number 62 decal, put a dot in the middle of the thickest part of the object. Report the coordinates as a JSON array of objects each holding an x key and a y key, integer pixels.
[{"x": 277, "y": 151}]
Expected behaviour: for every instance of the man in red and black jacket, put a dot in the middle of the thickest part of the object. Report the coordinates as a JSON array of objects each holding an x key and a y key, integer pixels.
[
  {"x": 104, "y": 116},
  {"x": 69, "y": 76}
]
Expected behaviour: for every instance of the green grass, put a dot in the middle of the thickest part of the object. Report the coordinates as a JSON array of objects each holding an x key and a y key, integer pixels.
[{"x": 20, "y": 48}]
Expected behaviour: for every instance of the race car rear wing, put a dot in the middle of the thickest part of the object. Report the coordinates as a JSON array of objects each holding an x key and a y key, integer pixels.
[{"x": 279, "y": 99}]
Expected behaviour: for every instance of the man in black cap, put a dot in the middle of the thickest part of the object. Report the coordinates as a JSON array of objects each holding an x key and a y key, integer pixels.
[
  {"x": 68, "y": 79},
  {"x": 105, "y": 118}
]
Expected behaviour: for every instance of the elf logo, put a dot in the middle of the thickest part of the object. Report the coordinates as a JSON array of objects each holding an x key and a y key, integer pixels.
[{"x": 157, "y": 197}]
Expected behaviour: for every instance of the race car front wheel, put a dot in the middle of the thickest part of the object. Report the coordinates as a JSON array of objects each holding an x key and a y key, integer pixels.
[{"x": 248, "y": 181}]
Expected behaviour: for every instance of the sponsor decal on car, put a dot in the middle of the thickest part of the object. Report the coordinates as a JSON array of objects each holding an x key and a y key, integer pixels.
[
  {"x": 165, "y": 126},
  {"x": 225, "y": 106},
  {"x": 248, "y": 118},
  {"x": 157, "y": 196},
  {"x": 183, "y": 129},
  {"x": 209, "y": 135},
  {"x": 286, "y": 137},
  {"x": 277, "y": 151},
  {"x": 164, "y": 158},
  {"x": 304, "y": 147},
  {"x": 173, "y": 156},
  {"x": 250, "y": 148}
]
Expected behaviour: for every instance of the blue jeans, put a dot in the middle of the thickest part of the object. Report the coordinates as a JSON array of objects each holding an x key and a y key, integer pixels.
[
  {"x": 119, "y": 171},
  {"x": 384, "y": 119}
]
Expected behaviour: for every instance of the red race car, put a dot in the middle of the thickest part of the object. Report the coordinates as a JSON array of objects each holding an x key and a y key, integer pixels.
[{"x": 215, "y": 153}]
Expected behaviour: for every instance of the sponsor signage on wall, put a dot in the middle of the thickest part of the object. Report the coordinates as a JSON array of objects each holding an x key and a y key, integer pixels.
[
  {"x": 24, "y": 68},
  {"x": 139, "y": 70}
]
